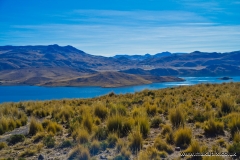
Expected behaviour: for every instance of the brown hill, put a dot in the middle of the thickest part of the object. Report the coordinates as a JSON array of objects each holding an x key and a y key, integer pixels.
[{"x": 103, "y": 79}]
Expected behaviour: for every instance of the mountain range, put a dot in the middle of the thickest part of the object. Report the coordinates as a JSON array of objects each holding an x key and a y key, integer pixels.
[{"x": 66, "y": 65}]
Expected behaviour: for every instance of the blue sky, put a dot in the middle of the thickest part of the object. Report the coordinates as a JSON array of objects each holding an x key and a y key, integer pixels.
[{"x": 110, "y": 27}]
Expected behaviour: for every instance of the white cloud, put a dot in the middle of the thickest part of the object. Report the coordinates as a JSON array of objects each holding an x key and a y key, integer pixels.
[
  {"x": 110, "y": 40},
  {"x": 129, "y": 32}
]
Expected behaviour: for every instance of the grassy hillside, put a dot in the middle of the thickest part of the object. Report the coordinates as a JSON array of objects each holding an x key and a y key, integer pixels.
[{"x": 145, "y": 125}]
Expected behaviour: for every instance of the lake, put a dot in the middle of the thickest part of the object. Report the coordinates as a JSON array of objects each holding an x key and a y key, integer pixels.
[{"x": 24, "y": 93}]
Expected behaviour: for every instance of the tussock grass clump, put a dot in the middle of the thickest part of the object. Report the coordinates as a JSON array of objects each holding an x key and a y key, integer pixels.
[
  {"x": 35, "y": 127},
  {"x": 54, "y": 128},
  {"x": 221, "y": 142},
  {"x": 212, "y": 158},
  {"x": 112, "y": 140},
  {"x": 236, "y": 137},
  {"x": 135, "y": 141},
  {"x": 144, "y": 126},
  {"x": 125, "y": 153},
  {"x": 94, "y": 147},
  {"x": 3, "y": 145},
  {"x": 151, "y": 153},
  {"x": 194, "y": 148},
  {"x": 114, "y": 124},
  {"x": 3, "y": 125},
  {"x": 9, "y": 121},
  {"x": 156, "y": 121},
  {"x": 28, "y": 153},
  {"x": 101, "y": 133},
  {"x": 166, "y": 129},
  {"x": 64, "y": 114},
  {"x": 198, "y": 116},
  {"x": 227, "y": 104},
  {"x": 87, "y": 123},
  {"x": 176, "y": 117},
  {"x": 118, "y": 109},
  {"x": 82, "y": 136},
  {"x": 161, "y": 145},
  {"x": 101, "y": 111},
  {"x": 38, "y": 137},
  {"x": 151, "y": 109},
  {"x": 235, "y": 147},
  {"x": 234, "y": 125},
  {"x": 97, "y": 121},
  {"x": 183, "y": 137},
  {"x": 127, "y": 127},
  {"x": 120, "y": 145},
  {"x": 212, "y": 127},
  {"x": 79, "y": 152}
]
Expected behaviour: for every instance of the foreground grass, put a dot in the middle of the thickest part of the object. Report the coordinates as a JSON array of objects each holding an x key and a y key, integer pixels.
[{"x": 144, "y": 125}]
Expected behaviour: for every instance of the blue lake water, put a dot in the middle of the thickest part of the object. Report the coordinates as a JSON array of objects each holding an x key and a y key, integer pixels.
[{"x": 24, "y": 93}]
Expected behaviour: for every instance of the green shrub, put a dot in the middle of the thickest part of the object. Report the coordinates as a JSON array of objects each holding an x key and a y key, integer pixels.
[
  {"x": 49, "y": 141},
  {"x": 135, "y": 141},
  {"x": 104, "y": 145},
  {"x": 35, "y": 127},
  {"x": 162, "y": 145},
  {"x": 66, "y": 144},
  {"x": 112, "y": 140},
  {"x": 13, "y": 139},
  {"x": 95, "y": 147},
  {"x": 176, "y": 117},
  {"x": 212, "y": 127},
  {"x": 101, "y": 111},
  {"x": 183, "y": 137}
]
